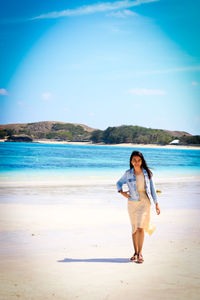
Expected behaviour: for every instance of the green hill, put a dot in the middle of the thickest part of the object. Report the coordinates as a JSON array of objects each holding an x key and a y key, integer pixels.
[
  {"x": 141, "y": 135},
  {"x": 62, "y": 131},
  {"x": 48, "y": 130}
]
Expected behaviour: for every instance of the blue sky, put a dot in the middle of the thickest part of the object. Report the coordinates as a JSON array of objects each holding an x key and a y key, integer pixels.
[{"x": 101, "y": 63}]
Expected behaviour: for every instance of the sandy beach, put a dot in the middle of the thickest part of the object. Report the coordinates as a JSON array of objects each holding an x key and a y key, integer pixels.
[
  {"x": 122, "y": 145},
  {"x": 74, "y": 242},
  {"x": 51, "y": 142}
]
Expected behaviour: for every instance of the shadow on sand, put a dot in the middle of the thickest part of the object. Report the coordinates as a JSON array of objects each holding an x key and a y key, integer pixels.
[{"x": 104, "y": 260}]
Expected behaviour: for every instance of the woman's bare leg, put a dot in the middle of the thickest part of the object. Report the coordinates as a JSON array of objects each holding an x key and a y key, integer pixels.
[
  {"x": 135, "y": 241},
  {"x": 140, "y": 241}
]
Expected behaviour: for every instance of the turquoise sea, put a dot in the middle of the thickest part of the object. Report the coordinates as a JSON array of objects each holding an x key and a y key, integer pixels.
[
  {"x": 34, "y": 159},
  {"x": 34, "y": 173}
]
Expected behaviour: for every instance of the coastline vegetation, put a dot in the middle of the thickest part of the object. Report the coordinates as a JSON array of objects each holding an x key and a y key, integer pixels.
[{"x": 70, "y": 132}]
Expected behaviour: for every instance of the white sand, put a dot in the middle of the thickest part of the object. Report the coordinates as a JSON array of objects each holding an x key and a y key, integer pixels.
[
  {"x": 120, "y": 145},
  {"x": 197, "y": 147},
  {"x": 80, "y": 249}
]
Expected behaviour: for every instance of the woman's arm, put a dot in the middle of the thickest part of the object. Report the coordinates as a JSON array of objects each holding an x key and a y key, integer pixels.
[
  {"x": 153, "y": 193},
  {"x": 120, "y": 182}
]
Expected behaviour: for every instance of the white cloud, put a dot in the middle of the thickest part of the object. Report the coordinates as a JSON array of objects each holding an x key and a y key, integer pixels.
[
  {"x": 47, "y": 96},
  {"x": 3, "y": 92},
  {"x": 94, "y": 8},
  {"x": 195, "y": 83},
  {"x": 146, "y": 92},
  {"x": 21, "y": 103},
  {"x": 129, "y": 12},
  {"x": 122, "y": 14}
]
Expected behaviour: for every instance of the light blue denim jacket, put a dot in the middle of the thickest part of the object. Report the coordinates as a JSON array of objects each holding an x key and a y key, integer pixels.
[{"x": 129, "y": 178}]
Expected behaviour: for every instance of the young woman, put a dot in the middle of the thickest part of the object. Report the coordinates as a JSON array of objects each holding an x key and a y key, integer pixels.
[{"x": 140, "y": 195}]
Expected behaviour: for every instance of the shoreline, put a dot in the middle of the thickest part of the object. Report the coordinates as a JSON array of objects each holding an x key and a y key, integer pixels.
[
  {"x": 77, "y": 181},
  {"x": 124, "y": 145},
  {"x": 120, "y": 145}
]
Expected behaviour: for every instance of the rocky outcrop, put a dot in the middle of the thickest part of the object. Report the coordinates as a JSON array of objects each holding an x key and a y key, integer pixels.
[{"x": 22, "y": 138}]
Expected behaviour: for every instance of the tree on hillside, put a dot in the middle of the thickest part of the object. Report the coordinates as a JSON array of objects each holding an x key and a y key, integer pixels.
[{"x": 97, "y": 136}]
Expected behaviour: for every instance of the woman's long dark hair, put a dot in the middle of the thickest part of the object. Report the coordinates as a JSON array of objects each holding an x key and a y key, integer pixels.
[{"x": 144, "y": 164}]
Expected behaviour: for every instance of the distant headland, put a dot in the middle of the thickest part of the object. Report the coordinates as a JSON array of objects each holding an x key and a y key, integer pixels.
[{"x": 62, "y": 132}]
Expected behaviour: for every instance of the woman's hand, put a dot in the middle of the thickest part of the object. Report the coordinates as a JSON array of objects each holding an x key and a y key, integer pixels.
[
  {"x": 126, "y": 194},
  {"x": 157, "y": 209}
]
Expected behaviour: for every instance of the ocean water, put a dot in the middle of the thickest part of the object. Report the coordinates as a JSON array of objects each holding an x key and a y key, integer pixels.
[
  {"x": 33, "y": 160},
  {"x": 81, "y": 175}
]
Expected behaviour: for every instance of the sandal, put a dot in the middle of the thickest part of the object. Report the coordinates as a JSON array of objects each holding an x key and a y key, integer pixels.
[
  {"x": 140, "y": 258},
  {"x": 134, "y": 257}
]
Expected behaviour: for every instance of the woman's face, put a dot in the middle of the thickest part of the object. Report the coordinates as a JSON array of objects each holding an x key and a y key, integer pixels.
[{"x": 136, "y": 162}]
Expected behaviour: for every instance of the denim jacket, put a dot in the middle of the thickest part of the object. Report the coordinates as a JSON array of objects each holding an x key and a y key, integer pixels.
[{"x": 129, "y": 178}]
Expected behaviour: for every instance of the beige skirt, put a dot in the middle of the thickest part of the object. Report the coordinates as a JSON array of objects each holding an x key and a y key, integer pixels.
[{"x": 139, "y": 213}]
